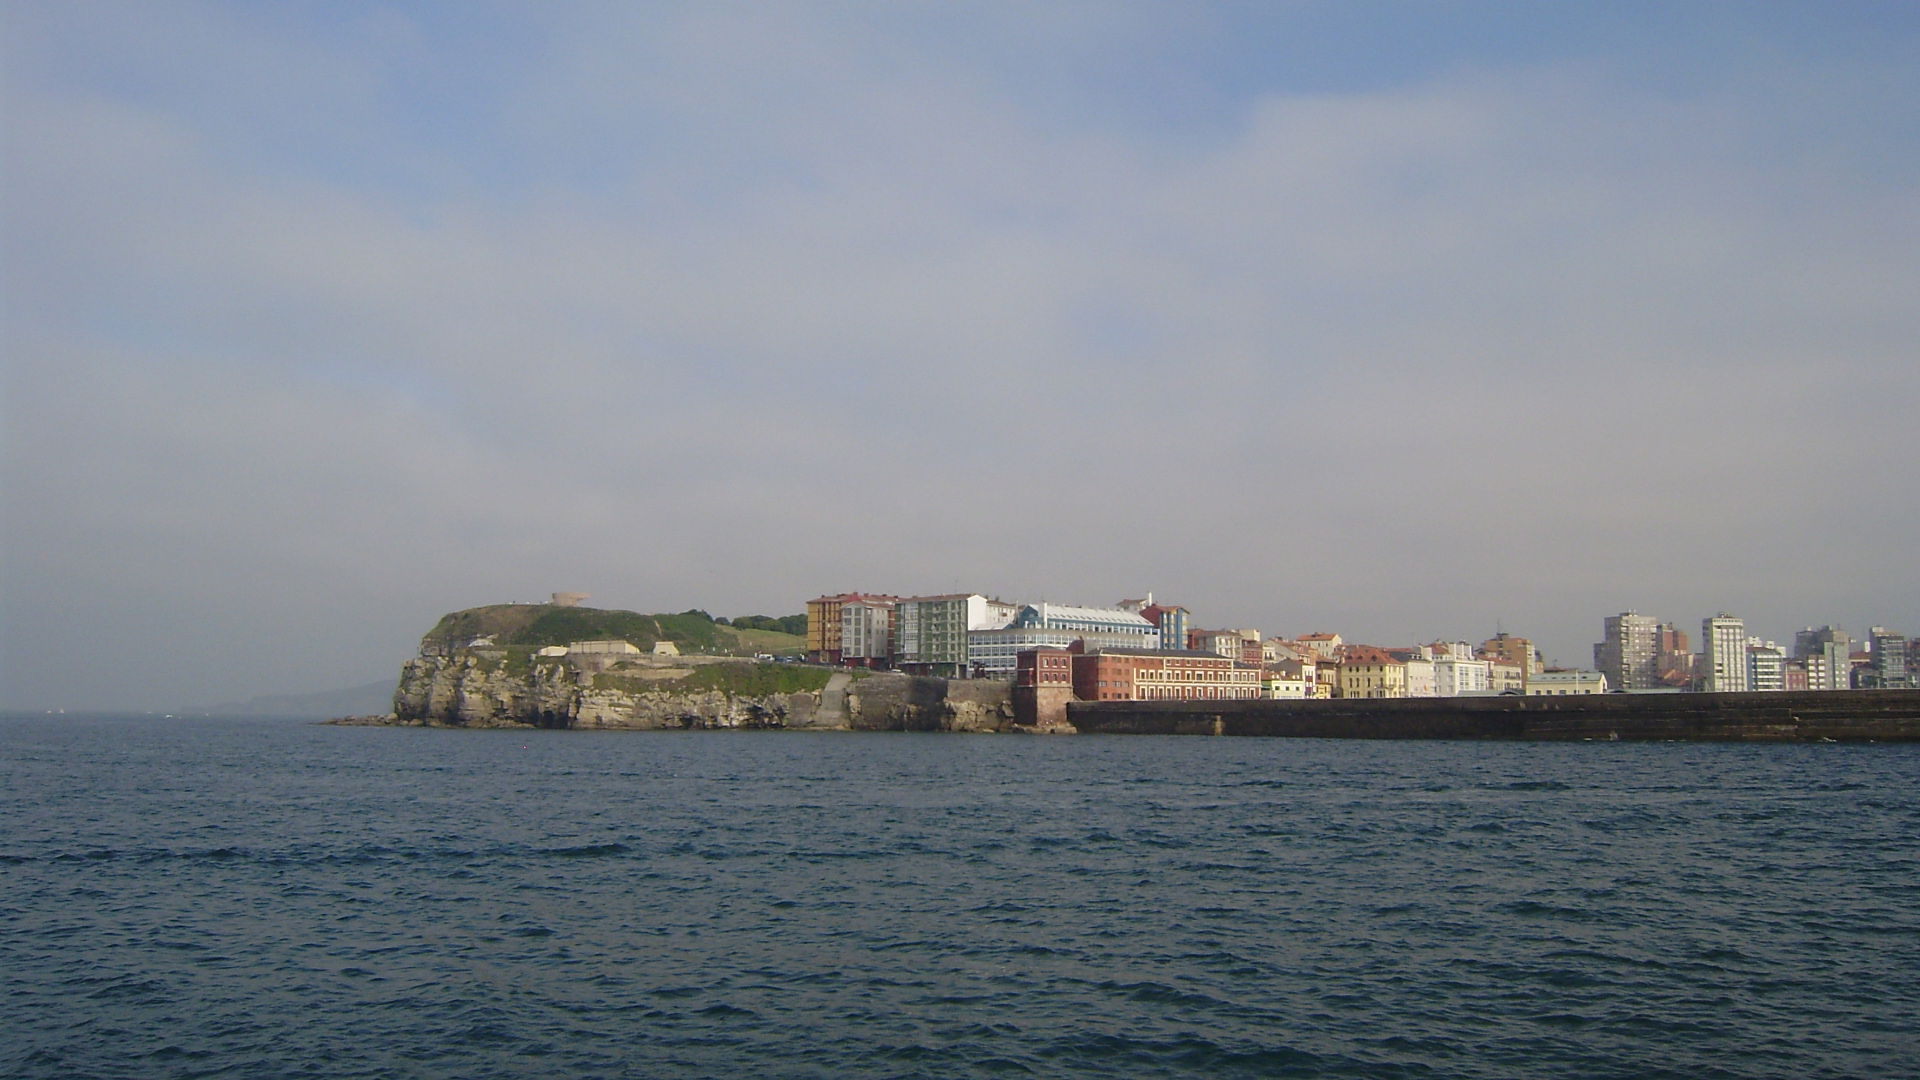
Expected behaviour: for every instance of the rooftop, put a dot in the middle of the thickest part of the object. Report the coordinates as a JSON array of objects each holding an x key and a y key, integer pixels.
[
  {"x": 1179, "y": 654},
  {"x": 1367, "y": 654},
  {"x": 1091, "y": 614}
]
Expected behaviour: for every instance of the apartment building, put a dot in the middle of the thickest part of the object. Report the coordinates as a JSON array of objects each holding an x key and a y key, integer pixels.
[
  {"x": 866, "y": 631},
  {"x": 931, "y": 632},
  {"x": 1766, "y": 665},
  {"x": 1887, "y": 669},
  {"x": 1723, "y": 657},
  {"x": 1828, "y": 652},
  {"x": 1628, "y": 651}
]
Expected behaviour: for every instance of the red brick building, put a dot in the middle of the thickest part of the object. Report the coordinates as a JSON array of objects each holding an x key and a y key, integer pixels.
[
  {"x": 1042, "y": 686},
  {"x": 1044, "y": 666},
  {"x": 1162, "y": 675}
]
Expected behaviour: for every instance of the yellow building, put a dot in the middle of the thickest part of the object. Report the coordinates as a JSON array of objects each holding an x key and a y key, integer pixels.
[
  {"x": 1367, "y": 672},
  {"x": 823, "y": 628}
]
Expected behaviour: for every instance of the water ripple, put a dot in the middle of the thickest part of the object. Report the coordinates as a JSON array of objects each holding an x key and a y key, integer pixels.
[{"x": 269, "y": 900}]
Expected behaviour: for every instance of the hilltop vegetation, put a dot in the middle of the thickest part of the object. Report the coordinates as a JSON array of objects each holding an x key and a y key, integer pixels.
[
  {"x": 533, "y": 626},
  {"x": 739, "y": 679},
  {"x": 793, "y": 625}
]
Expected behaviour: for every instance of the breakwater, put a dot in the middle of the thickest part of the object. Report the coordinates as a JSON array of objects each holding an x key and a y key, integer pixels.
[{"x": 1801, "y": 716}]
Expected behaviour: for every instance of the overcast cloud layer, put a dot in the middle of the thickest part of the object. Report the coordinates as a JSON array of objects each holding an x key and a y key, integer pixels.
[{"x": 1406, "y": 321}]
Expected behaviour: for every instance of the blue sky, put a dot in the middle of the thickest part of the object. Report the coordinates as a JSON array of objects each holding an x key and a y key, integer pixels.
[{"x": 1403, "y": 320}]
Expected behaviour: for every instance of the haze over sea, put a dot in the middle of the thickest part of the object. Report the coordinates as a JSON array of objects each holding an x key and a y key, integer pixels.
[{"x": 255, "y": 898}]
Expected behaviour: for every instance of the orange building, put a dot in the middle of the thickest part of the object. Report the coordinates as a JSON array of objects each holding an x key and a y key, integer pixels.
[
  {"x": 826, "y": 619},
  {"x": 823, "y": 627}
]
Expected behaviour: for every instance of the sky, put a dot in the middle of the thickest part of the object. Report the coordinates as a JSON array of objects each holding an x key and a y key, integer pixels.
[{"x": 1410, "y": 321}]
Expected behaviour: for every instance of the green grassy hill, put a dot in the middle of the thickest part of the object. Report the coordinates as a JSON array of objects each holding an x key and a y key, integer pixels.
[
  {"x": 766, "y": 641},
  {"x": 537, "y": 625}
]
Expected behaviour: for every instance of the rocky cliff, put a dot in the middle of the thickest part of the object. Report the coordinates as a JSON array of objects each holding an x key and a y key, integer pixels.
[{"x": 492, "y": 687}]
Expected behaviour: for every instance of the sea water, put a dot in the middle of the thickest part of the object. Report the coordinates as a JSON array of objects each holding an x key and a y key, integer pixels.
[{"x": 277, "y": 899}]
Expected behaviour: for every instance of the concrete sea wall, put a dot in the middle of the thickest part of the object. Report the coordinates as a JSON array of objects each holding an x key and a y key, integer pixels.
[{"x": 1839, "y": 715}]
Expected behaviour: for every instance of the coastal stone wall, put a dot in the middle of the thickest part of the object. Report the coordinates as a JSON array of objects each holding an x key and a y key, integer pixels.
[
  {"x": 1838, "y": 715},
  {"x": 890, "y": 702},
  {"x": 1043, "y": 708}
]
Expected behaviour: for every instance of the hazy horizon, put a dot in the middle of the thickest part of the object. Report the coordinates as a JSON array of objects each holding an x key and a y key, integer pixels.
[{"x": 1401, "y": 320}]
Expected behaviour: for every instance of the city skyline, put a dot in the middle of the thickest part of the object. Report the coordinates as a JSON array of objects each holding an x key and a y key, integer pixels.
[
  {"x": 1653, "y": 629},
  {"x": 1402, "y": 320}
]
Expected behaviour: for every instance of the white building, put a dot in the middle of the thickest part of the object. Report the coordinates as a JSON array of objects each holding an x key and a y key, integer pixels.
[
  {"x": 1111, "y": 620},
  {"x": 991, "y": 653},
  {"x": 1287, "y": 680},
  {"x": 1723, "y": 654},
  {"x": 1232, "y": 644},
  {"x": 991, "y": 650},
  {"x": 1323, "y": 646},
  {"x": 1462, "y": 676},
  {"x": 1506, "y": 677},
  {"x": 1422, "y": 680},
  {"x": 603, "y": 648},
  {"x": 1563, "y": 683},
  {"x": 1290, "y": 674},
  {"x": 1766, "y": 665},
  {"x": 866, "y": 631}
]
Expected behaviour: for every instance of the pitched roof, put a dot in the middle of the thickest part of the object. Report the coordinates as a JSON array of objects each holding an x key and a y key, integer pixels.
[
  {"x": 1181, "y": 654},
  {"x": 1122, "y": 616},
  {"x": 1367, "y": 654}
]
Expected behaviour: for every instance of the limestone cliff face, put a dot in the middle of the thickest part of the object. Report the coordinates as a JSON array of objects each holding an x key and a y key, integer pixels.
[
  {"x": 482, "y": 688},
  {"x": 667, "y": 710},
  {"x": 475, "y": 690}
]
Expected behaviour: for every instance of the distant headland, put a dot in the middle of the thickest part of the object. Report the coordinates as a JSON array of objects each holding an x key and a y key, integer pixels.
[
  {"x": 562, "y": 664},
  {"x": 565, "y": 665}
]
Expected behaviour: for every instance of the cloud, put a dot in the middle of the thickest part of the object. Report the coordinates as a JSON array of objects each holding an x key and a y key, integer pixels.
[{"x": 308, "y": 342}]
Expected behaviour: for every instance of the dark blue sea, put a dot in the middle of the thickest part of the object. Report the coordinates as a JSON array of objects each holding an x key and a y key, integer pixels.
[{"x": 277, "y": 899}]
